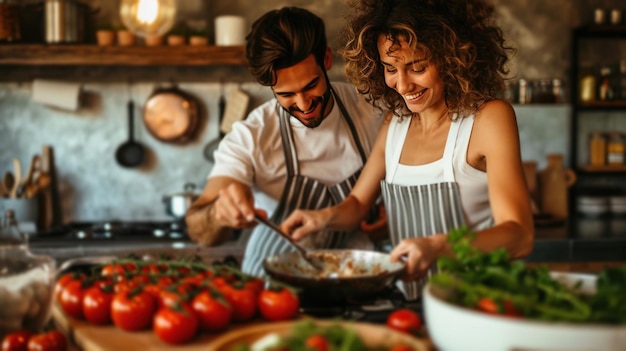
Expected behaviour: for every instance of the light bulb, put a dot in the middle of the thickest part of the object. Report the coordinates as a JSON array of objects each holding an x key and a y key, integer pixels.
[{"x": 148, "y": 17}]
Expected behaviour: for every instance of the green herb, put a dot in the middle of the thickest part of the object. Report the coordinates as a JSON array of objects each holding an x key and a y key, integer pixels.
[{"x": 472, "y": 275}]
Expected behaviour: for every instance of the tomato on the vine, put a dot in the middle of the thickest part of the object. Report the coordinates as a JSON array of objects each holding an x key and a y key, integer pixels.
[
  {"x": 316, "y": 342},
  {"x": 175, "y": 325},
  {"x": 255, "y": 284},
  {"x": 213, "y": 312},
  {"x": 64, "y": 280},
  {"x": 404, "y": 320},
  {"x": 16, "y": 341},
  {"x": 243, "y": 302},
  {"x": 132, "y": 310},
  {"x": 50, "y": 341},
  {"x": 115, "y": 271},
  {"x": 97, "y": 304},
  {"x": 278, "y": 304},
  {"x": 71, "y": 298}
]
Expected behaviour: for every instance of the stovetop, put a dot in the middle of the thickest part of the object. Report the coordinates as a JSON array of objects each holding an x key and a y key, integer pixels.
[{"x": 113, "y": 231}]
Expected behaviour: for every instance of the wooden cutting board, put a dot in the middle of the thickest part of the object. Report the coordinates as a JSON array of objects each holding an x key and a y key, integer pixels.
[{"x": 86, "y": 336}]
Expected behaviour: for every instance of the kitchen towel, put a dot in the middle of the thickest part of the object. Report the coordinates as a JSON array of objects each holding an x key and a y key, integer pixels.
[{"x": 59, "y": 94}]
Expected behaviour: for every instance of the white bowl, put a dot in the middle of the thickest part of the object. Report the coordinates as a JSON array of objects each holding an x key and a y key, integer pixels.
[{"x": 455, "y": 328}]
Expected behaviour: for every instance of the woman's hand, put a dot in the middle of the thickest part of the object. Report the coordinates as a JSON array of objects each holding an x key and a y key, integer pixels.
[
  {"x": 420, "y": 254},
  {"x": 301, "y": 223}
]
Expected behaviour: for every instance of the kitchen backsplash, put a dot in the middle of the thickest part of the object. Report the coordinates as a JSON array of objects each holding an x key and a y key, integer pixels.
[{"x": 93, "y": 186}]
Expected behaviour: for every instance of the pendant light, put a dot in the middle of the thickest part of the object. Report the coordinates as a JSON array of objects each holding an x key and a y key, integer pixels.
[{"x": 147, "y": 18}]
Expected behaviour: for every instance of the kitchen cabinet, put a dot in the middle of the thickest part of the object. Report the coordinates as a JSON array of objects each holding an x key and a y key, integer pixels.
[
  {"x": 598, "y": 80},
  {"x": 93, "y": 55}
]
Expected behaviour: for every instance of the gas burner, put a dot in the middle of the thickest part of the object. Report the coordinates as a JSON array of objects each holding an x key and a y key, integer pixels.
[{"x": 118, "y": 231}]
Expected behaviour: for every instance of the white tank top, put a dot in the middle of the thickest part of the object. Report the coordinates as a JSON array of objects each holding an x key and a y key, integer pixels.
[{"x": 472, "y": 182}]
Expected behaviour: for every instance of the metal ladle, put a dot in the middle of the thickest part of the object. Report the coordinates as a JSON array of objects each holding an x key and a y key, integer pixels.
[{"x": 319, "y": 266}]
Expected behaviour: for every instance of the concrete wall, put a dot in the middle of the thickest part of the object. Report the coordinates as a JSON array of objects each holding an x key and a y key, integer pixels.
[{"x": 94, "y": 187}]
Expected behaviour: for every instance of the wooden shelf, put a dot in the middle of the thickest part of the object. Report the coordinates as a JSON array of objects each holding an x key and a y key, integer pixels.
[
  {"x": 94, "y": 55},
  {"x": 603, "y": 169}
]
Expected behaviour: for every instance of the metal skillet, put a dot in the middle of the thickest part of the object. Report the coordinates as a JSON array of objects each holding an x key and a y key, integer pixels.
[{"x": 348, "y": 275}]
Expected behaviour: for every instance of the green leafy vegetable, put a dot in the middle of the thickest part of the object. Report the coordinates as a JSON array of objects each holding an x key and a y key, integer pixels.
[{"x": 473, "y": 275}]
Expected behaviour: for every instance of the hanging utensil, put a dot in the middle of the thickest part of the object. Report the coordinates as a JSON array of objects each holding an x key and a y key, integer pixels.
[
  {"x": 17, "y": 174},
  {"x": 8, "y": 180},
  {"x": 131, "y": 153},
  {"x": 212, "y": 145},
  {"x": 303, "y": 252}
]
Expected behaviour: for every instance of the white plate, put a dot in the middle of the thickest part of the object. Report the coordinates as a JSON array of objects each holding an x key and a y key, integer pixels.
[{"x": 455, "y": 328}]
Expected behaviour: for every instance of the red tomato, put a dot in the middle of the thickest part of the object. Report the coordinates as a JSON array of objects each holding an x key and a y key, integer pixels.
[
  {"x": 255, "y": 284},
  {"x": 404, "y": 320},
  {"x": 401, "y": 348},
  {"x": 50, "y": 341},
  {"x": 132, "y": 310},
  {"x": 490, "y": 306},
  {"x": 64, "y": 280},
  {"x": 280, "y": 304},
  {"x": 316, "y": 343},
  {"x": 16, "y": 341},
  {"x": 242, "y": 301},
  {"x": 57, "y": 339},
  {"x": 213, "y": 312},
  {"x": 175, "y": 325},
  {"x": 71, "y": 299},
  {"x": 168, "y": 298},
  {"x": 97, "y": 304},
  {"x": 116, "y": 271}
]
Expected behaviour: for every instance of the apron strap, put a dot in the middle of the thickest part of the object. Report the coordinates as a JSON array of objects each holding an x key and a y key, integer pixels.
[
  {"x": 448, "y": 152},
  {"x": 289, "y": 144}
]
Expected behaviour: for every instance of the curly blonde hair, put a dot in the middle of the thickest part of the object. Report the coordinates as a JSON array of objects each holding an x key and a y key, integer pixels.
[{"x": 457, "y": 36}]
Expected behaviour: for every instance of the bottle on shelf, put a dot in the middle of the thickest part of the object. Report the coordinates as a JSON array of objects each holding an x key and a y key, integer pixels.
[
  {"x": 597, "y": 148},
  {"x": 587, "y": 91},
  {"x": 605, "y": 89},
  {"x": 615, "y": 148}
]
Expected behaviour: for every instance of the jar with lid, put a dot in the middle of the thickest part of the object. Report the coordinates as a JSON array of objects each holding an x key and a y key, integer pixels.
[
  {"x": 615, "y": 148},
  {"x": 597, "y": 148}
]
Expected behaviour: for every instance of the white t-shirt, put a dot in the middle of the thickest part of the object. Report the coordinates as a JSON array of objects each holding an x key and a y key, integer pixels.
[{"x": 253, "y": 153}]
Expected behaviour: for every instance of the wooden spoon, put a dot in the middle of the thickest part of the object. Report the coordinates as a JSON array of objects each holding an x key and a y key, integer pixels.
[
  {"x": 30, "y": 186},
  {"x": 8, "y": 181},
  {"x": 17, "y": 169}
]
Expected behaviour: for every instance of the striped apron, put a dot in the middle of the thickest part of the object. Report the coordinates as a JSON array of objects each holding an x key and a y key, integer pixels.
[
  {"x": 423, "y": 210},
  {"x": 300, "y": 193}
]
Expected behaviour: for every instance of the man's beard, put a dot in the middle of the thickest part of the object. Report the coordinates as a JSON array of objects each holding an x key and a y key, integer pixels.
[{"x": 324, "y": 100}]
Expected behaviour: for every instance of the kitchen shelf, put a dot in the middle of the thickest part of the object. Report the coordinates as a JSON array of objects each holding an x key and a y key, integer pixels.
[
  {"x": 603, "y": 169},
  {"x": 94, "y": 55}
]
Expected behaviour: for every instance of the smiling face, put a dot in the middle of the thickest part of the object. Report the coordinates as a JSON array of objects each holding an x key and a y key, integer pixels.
[
  {"x": 303, "y": 91},
  {"x": 411, "y": 75}
]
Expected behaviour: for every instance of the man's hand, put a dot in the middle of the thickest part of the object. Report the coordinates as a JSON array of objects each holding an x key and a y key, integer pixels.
[{"x": 234, "y": 206}]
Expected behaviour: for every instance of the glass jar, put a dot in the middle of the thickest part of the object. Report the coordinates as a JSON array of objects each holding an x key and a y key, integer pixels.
[
  {"x": 597, "y": 149},
  {"x": 615, "y": 148}
]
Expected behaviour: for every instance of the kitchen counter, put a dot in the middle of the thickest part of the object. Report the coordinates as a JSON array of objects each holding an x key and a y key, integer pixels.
[{"x": 580, "y": 242}]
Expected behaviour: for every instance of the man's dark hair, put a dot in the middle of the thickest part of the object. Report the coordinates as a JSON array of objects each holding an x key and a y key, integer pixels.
[{"x": 282, "y": 38}]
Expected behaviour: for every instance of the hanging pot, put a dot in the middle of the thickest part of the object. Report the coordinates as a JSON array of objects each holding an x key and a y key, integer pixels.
[{"x": 171, "y": 115}]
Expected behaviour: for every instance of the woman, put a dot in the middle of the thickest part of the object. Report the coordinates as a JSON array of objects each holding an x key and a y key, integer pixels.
[{"x": 448, "y": 153}]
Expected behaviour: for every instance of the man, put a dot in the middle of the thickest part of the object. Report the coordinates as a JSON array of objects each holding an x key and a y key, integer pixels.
[{"x": 303, "y": 149}]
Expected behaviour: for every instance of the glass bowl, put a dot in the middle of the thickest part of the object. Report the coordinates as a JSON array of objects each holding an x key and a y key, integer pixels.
[{"x": 26, "y": 285}]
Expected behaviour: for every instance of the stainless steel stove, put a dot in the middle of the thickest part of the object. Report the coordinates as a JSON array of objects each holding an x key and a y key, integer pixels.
[{"x": 118, "y": 238}]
